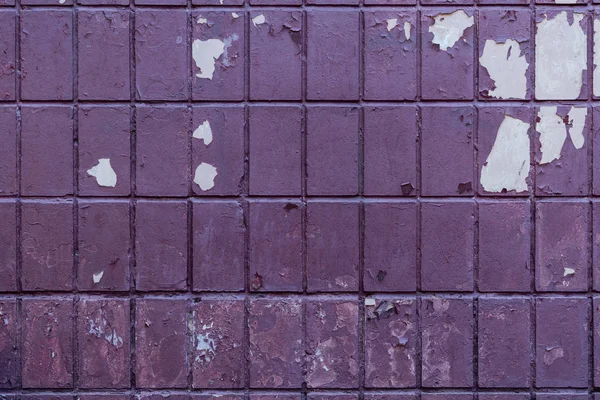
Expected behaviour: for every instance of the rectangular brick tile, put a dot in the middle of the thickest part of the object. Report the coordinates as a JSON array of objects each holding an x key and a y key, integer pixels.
[
  {"x": 9, "y": 356},
  {"x": 332, "y": 150},
  {"x": 504, "y": 342},
  {"x": 276, "y": 343},
  {"x": 218, "y": 151},
  {"x": 104, "y": 151},
  {"x": 161, "y": 396},
  {"x": 48, "y": 396},
  {"x": 447, "y": 151},
  {"x": 390, "y": 240},
  {"x": 104, "y": 396},
  {"x": 596, "y": 150},
  {"x": 389, "y": 2},
  {"x": 440, "y": 52},
  {"x": 103, "y": 343},
  {"x": 447, "y": 342},
  {"x": 275, "y": 150},
  {"x": 163, "y": 158},
  {"x": 275, "y": 55},
  {"x": 8, "y": 246},
  {"x": 47, "y": 346},
  {"x": 103, "y": 3},
  {"x": 103, "y": 55},
  {"x": 504, "y": 44},
  {"x": 224, "y": 3},
  {"x": 46, "y": 151},
  {"x": 399, "y": 396},
  {"x": 274, "y": 2},
  {"x": 447, "y": 240},
  {"x": 332, "y": 33},
  {"x": 562, "y": 342},
  {"x": 562, "y": 246},
  {"x": 8, "y": 151},
  {"x": 216, "y": 397},
  {"x": 502, "y": 2},
  {"x": 504, "y": 396},
  {"x": 596, "y": 339},
  {"x": 275, "y": 255},
  {"x": 390, "y": 342},
  {"x": 275, "y": 396},
  {"x": 563, "y": 169},
  {"x": 504, "y": 151},
  {"x": 390, "y": 55},
  {"x": 332, "y": 343},
  {"x": 104, "y": 246},
  {"x": 160, "y": 343},
  {"x": 332, "y": 247},
  {"x": 447, "y": 396},
  {"x": 562, "y": 396},
  {"x": 47, "y": 245},
  {"x": 161, "y": 244},
  {"x": 161, "y": 66},
  {"x": 218, "y": 56},
  {"x": 332, "y": 396},
  {"x": 504, "y": 247},
  {"x": 8, "y": 54},
  {"x": 218, "y": 246},
  {"x": 390, "y": 151},
  {"x": 46, "y": 55},
  {"x": 218, "y": 334},
  {"x": 596, "y": 246}
]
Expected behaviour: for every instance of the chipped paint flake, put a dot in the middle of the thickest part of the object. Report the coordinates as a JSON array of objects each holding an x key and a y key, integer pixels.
[
  {"x": 205, "y": 176},
  {"x": 407, "y": 28},
  {"x": 370, "y": 302},
  {"x": 235, "y": 15},
  {"x": 103, "y": 172},
  {"x": 447, "y": 29},
  {"x": 204, "y": 132},
  {"x": 201, "y": 20},
  {"x": 205, "y": 347},
  {"x": 577, "y": 116},
  {"x": 597, "y": 57},
  {"x": 565, "y": 1},
  {"x": 259, "y": 20},
  {"x": 553, "y": 134},
  {"x": 205, "y": 53},
  {"x": 507, "y": 67},
  {"x": 97, "y": 277},
  {"x": 561, "y": 57},
  {"x": 569, "y": 271},
  {"x": 391, "y": 23},
  {"x": 507, "y": 165}
]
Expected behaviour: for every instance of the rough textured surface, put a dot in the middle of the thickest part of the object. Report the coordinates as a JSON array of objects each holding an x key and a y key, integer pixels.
[{"x": 299, "y": 199}]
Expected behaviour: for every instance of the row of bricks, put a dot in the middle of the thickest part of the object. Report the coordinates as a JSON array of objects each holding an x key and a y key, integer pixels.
[
  {"x": 346, "y": 395},
  {"x": 381, "y": 146},
  {"x": 173, "y": 336},
  {"x": 393, "y": 61},
  {"x": 454, "y": 255}
]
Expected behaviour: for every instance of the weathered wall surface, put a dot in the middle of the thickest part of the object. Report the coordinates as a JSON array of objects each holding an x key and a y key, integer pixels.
[{"x": 278, "y": 200}]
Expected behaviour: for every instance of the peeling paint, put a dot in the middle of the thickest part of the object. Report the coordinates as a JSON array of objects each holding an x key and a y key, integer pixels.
[
  {"x": 205, "y": 176},
  {"x": 259, "y": 20},
  {"x": 391, "y": 23},
  {"x": 235, "y": 15},
  {"x": 507, "y": 67},
  {"x": 447, "y": 29},
  {"x": 205, "y": 53},
  {"x": 109, "y": 334},
  {"x": 407, "y": 28},
  {"x": 104, "y": 173},
  {"x": 201, "y": 20},
  {"x": 553, "y": 134},
  {"x": 206, "y": 348},
  {"x": 97, "y": 277},
  {"x": 507, "y": 165},
  {"x": 577, "y": 116},
  {"x": 569, "y": 271},
  {"x": 561, "y": 57},
  {"x": 204, "y": 132}
]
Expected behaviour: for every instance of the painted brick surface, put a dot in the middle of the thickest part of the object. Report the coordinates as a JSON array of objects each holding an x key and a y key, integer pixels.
[{"x": 299, "y": 200}]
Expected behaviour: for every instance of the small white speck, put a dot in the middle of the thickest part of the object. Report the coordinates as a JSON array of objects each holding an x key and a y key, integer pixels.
[
  {"x": 97, "y": 277},
  {"x": 235, "y": 15},
  {"x": 201, "y": 20},
  {"x": 259, "y": 20},
  {"x": 569, "y": 271}
]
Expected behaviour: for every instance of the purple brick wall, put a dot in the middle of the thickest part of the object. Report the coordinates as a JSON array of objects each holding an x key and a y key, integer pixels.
[{"x": 299, "y": 200}]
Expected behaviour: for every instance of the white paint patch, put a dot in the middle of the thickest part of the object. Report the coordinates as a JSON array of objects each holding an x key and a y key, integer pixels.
[
  {"x": 407, "y": 28},
  {"x": 553, "y": 134},
  {"x": 201, "y": 20},
  {"x": 507, "y": 67},
  {"x": 577, "y": 117},
  {"x": 561, "y": 57},
  {"x": 97, "y": 277},
  {"x": 205, "y": 176},
  {"x": 102, "y": 330},
  {"x": 204, "y": 132},
  {"x": 447, "y": 29},
  {"x": 206, "y": 348},
  {"x": 565, "y": 1},
  {"x": 507, "y": 165},
  {"x": 205, "y": 53},
  {"x": 259, "y": 20},
  {"x": 235, "y": 15},
  {"x": 597, "y": 57},
  {"x": 103, "y": 172},
  {"x": 61, "y": 1},
  {"x": 370, "y": 302},
  {"x": 569, "y": 271},
  {"x": 391, "y": 23}
]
